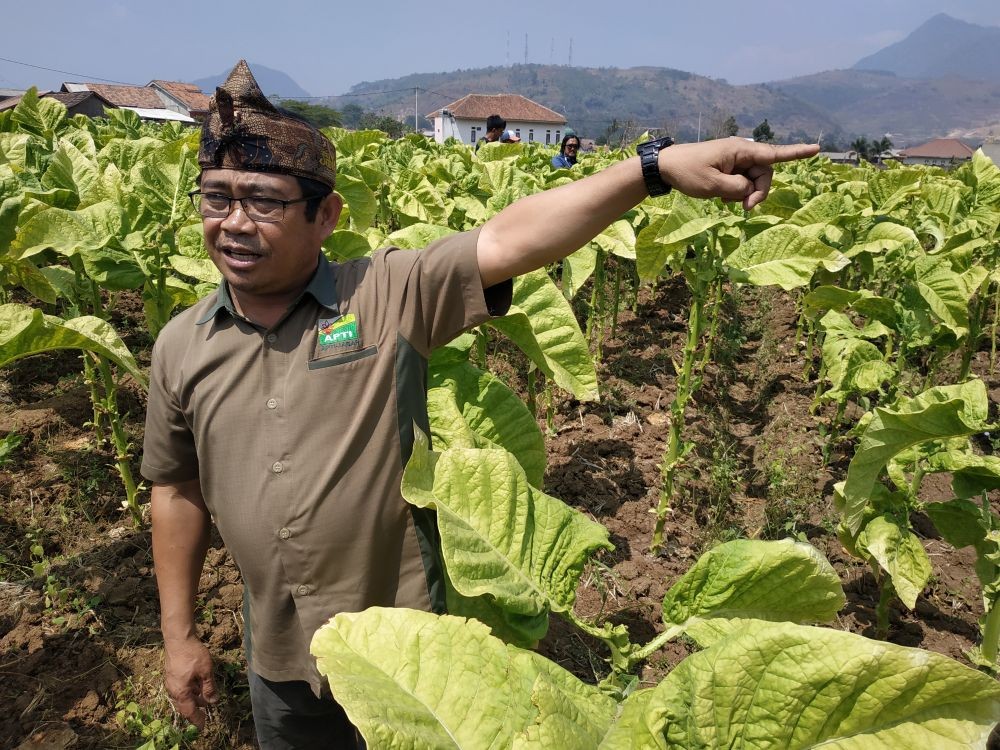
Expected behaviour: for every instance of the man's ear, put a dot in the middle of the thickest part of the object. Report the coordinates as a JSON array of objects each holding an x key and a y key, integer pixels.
[{"x": 329, "y": 213}]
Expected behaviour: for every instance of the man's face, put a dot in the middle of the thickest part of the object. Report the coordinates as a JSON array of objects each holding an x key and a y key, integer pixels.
[{"x": 265, "y": 259}]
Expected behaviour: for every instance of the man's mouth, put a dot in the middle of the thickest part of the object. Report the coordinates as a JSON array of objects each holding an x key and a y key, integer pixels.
[{"x": 240, "y": 254}]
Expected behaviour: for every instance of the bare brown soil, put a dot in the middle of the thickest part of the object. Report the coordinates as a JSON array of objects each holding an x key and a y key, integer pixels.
[{"x": 79, "y": 637}]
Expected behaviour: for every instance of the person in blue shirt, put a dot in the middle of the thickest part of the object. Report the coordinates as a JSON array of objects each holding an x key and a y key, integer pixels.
[{"x": 568, "y": 150}]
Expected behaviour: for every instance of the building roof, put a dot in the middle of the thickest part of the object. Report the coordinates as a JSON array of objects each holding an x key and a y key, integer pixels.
[
  {"x": 70, "y": 99},
  {"x": 509, "y": 106},
  {"x": 159, "y": 113},
  {"x": 120, "y": 96},
  {"x": 940, "y": 148},
  {"x": 186, "y": 93}
]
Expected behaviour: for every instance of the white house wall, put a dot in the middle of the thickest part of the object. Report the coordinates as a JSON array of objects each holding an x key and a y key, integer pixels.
[{"x": 470, "y": 131}]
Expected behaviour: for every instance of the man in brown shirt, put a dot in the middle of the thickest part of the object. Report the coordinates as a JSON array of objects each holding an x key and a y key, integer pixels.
[{"x": 281, "y": 407}]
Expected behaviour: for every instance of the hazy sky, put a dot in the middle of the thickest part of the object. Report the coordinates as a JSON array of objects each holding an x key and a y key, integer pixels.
[{"x": 328, "y": 46}]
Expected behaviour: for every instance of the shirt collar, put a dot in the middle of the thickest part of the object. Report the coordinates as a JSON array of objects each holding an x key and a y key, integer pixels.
[{"x": 322, "y": 287}]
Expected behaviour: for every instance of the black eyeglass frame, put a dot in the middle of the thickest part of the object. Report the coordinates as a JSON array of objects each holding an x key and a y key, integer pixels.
[{"x": 196, "y": 195}]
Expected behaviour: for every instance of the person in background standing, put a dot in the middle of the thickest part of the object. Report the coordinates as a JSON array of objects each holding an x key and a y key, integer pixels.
[
  {"x": 568, "y": 150},
  {"x": 495, "y": 125}
]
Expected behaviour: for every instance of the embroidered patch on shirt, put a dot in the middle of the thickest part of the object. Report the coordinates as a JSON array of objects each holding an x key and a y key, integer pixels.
[{"x": 337, "y": 332}]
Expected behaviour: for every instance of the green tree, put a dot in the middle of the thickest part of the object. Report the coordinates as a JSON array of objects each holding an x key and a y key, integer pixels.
[
  {"x": 881, "y": 146},
  {"x": 863, "y": 147},
  {"x": 351, "y": 115},
  {"x": 319, "y": 115},
  {"x": 723, "y": 125},
  {"x": 763, "y": 132},
  {"x": 389, "y": 125}
]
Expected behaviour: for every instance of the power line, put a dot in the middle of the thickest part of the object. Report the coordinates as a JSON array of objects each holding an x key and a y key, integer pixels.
[{"x": 66, "y": 72}]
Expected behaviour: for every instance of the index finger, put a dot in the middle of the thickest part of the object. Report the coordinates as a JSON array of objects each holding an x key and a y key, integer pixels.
[{"x": 792, "y": 151}]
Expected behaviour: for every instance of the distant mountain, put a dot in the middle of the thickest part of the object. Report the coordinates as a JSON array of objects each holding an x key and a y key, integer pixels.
[
  {"x": 591, "y": 98},
  {"x": 272, "y": 82},
  {"x": 911, "y": 110},
  {"x": 942, "y": 47}
]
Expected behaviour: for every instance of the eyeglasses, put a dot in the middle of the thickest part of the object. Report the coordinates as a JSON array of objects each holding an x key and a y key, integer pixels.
[
  {"x": 219, "y": 206},
  {"x": 573, "y": 145}
]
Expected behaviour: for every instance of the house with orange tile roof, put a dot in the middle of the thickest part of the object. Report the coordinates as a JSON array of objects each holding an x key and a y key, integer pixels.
[
  {"x": 158, "y": 100},
  {"x": 465, "y": 119},
  {"x": 941, "y": 152}
]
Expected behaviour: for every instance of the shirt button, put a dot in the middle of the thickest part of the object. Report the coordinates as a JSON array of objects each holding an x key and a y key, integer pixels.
[
  {"x": 272, "y": 403},
  {"x": 277, "y": 468},
  {"x": 302, "y": 590},
  {"x": 271, "y": 338},
  {"x": 284, "y": 533}
]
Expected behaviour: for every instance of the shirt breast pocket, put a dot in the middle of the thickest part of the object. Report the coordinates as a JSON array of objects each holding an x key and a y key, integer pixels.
[{"x": 343, "y": 359}]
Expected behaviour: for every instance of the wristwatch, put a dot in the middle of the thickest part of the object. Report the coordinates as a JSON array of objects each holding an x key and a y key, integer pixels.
[{"x": 649, "y": 153}]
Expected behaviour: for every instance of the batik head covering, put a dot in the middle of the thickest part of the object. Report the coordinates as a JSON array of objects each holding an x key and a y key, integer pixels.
[{"x": 244, "y": 130}]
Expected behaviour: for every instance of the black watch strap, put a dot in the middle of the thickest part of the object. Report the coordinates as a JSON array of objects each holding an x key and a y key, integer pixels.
[{"x": 649, "y": 153}]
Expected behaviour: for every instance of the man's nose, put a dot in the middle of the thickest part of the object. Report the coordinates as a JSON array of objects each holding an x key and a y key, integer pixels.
[{"x": 237, "y": 221}]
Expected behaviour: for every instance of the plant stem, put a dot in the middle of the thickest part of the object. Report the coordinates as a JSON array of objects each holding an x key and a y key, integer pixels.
[
  {"x": 991, "y": 634},
  {"x": 886, "y": 594},
  {"x": 993, "y": 329},
  {"x": 120, "y": 440},
  {"x": 672, "y": 455}
]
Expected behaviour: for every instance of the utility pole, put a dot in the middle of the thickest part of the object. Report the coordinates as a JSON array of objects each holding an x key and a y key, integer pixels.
[
  {"x": 699, "y": 126},
  {"x": 570, "y": 52},
  {"x": 415, "y": 110},
  {"x": 525, "y": 47},
  {"x": 552, "y": 50},
  {"x": 508, "y": 48}
]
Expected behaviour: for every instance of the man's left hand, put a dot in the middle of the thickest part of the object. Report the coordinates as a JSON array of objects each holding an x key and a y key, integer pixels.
[{"x": 733, "y": 169}]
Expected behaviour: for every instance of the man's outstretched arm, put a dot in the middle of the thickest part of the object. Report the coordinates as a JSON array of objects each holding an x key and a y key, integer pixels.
[
  {"x": 547, "y": 226},
  {"x": 180, "y": 540}
]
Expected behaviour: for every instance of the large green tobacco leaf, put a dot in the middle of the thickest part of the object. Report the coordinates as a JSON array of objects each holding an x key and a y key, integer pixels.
[
  {"x": 665, "y": 240},
  {"x": 163, "y": 178},
  {"x": 825, "y": 208},
  {"x": 943, "y": 412},
  {"x": 618, "y": 239},
  {"x": 69, "y": 232},
  {"x": 542, "y": 324},
  {"x": 946, "y": 292},
  {"x": 854, "y": 366},
  {"x": 40, "y": 117},
  {"x": 884, "y": 237},
  {"x": 25, "y": 331},
  {"x": 891, "y": 187},
  {"x": 418, "y": 236},
  {"x": 899, "y": 553},
  {"x": 785, "y": 256},
  {"x": 971, "y": 474},
  {"x": 360, "y": 201},
  {"x": 750, "y": 579},
  {"x": 344, "y": 244},
  {"x": 415, "y": 200},
  {"x": 942, "y": 199},
  {"x": 69, "y": 168},
  {"x": 126, "y": 154},
  {"x": 412, "y": 680},
  {"x": 987, "y": 178},
  {"x": 490, "y": 409},
  {"x": 499, "y": 535},
  {"x": 796, "y": 687},
  {"x": 961, "y": 523},
  {"x": 577, "y": 268}
]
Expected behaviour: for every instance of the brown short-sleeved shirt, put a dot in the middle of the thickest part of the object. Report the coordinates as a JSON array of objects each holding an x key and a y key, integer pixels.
[{"x": 299, "y": 435}]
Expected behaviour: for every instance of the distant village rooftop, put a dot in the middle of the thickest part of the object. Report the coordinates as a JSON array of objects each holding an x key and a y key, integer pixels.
[
  {"x": 940, "y": 148},
  {"x": 508, "y": 106}
]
